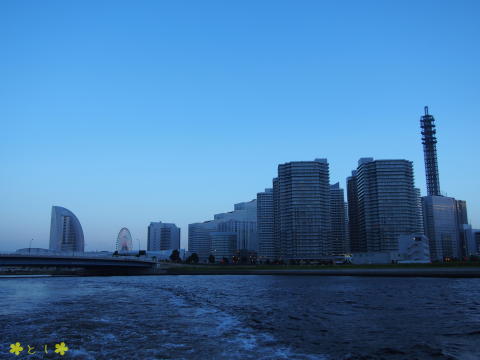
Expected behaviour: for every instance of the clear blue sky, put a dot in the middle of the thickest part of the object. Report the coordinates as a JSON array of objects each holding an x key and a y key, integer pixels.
[{"x": 127, "y": 112}]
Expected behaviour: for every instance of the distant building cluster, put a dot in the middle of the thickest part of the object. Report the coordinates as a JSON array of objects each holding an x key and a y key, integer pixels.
[
  {"x": 302, "y": 217},
  {"x": 229, "y": 235}
]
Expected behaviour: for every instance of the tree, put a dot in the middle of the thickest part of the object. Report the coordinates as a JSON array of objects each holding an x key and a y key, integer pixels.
[
  {"x": 194, "y": 258},
  {"x": 175, "y": 256},
  {"x": 211, "y": 259}
]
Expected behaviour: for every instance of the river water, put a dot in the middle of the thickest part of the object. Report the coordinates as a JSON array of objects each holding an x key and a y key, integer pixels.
[{"x": 241, "y": 317}]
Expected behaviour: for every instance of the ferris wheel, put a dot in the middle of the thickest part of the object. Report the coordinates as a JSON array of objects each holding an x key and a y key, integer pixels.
[{"x": 124, "y": 240}]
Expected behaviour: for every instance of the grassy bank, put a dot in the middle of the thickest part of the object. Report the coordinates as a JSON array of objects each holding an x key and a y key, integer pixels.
[{"x": 441, "y": 269}]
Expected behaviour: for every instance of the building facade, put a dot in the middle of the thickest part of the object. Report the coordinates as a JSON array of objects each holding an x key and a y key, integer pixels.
[
  {"x": 387, "y": 206},
  {"x": 223, "y": 245},
  {"x": 418, "y": 204},
  {"x": 441, "y": 227},
  {"x": 66, "y": 233},
  {"x": 265, "y": 226},
  {"x": 356, "y": 244},
  {"x": 243, "y": 221},
  {"x": 302, "y": 201},
  {"x": 199, "y": 240},
  {"x": 338, "y": 223},
  {"x": 163, "y": 236},
  {"x": 414, "y": 248}
]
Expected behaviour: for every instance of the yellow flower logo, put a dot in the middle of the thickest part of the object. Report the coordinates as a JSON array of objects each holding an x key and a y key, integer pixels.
[
  {"x": 61, "y": 348},
  {"x": 16, "y": 348}
]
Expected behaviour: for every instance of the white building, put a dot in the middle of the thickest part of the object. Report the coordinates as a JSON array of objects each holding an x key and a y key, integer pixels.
[
  {"x": 163, "y": 236},
  {"x": 242, "y": 221},
  {"x": 66, "y": 234},
  {"x": 375, "y": 257},
  {"x": 199, "y": 240},
  {"x": 414, "y": 248}
]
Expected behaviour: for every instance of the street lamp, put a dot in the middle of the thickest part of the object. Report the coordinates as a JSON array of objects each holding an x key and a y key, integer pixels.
[{"x": 30, "y": 247}]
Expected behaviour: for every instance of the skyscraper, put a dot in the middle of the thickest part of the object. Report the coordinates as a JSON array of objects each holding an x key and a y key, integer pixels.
[
  {"x": 302, "y": 201},
  {"x": 163, "y": 236},
  {"x": 265, "y": 226},
  {"x": 338, "y": 221},
  {"x": 66, "y": 233},
  {"x": 429, "y": 140},
  {"x": 441, "y": 227},
  {"x": 387, "y": 205},
  {"x": 353, "y": 215},
  {"x": 462, "y": 222},
  {"x": 418, "y": 203}
]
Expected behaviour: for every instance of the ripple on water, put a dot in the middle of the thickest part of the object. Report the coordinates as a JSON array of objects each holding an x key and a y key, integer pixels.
[{"x": 245, "y": 317}]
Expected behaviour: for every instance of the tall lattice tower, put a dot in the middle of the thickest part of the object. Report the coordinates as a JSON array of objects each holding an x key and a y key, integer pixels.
[{"x": 429, "y": 140}]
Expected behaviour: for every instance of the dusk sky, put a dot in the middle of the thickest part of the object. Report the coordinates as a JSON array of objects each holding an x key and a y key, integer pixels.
[{"x": 127, "y": 112}]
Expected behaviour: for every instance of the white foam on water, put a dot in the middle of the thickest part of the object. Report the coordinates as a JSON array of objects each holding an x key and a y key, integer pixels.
[
  {"x": 80, "y": 354},
  {"x": 287, "y": 353},
  {"x": 109, "y": 337}
]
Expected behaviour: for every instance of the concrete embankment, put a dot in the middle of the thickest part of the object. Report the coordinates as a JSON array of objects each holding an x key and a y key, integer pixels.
[{"x": 451, "y": 272}]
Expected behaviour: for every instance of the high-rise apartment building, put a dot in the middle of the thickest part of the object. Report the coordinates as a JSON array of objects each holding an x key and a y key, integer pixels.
[
  {"x": 163, "y": 236},
  {"x": 387, "y": 206},
  {"x": 418, "y": 204},
  {"x": 462, "y": 224},
  {"x": 338, "y": 224},
  {"x": 265, "y": 226},
  {"x": 302, "y": 206},
  {"x": 356, "y": 245}
]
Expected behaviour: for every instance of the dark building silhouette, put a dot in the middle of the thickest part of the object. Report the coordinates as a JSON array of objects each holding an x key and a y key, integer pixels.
[
  {"x": 418, "y": 199},
  {"x": 429, "y": 140},
  {"x": 338, "y": 222},
  {"x": 462, "y": 219},
  {"x": 387, "y": 203},
  {"x": 265, "y": 226},
  {"x": 302, "y": 210},
  {"x": 353, "y": 215}
]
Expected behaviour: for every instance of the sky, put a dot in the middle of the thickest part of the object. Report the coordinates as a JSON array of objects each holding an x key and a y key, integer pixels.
[{"x": 127, "y": 112}]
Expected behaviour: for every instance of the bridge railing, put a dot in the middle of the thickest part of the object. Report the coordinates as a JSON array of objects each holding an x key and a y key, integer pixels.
[{"x": 78, "y": 255}]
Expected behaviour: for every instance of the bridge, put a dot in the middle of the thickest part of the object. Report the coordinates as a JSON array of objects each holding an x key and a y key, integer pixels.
[{"x": 76, "y": 265}]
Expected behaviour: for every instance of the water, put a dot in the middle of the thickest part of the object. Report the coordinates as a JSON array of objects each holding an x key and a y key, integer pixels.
[{"x": 242, "y": 317}]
